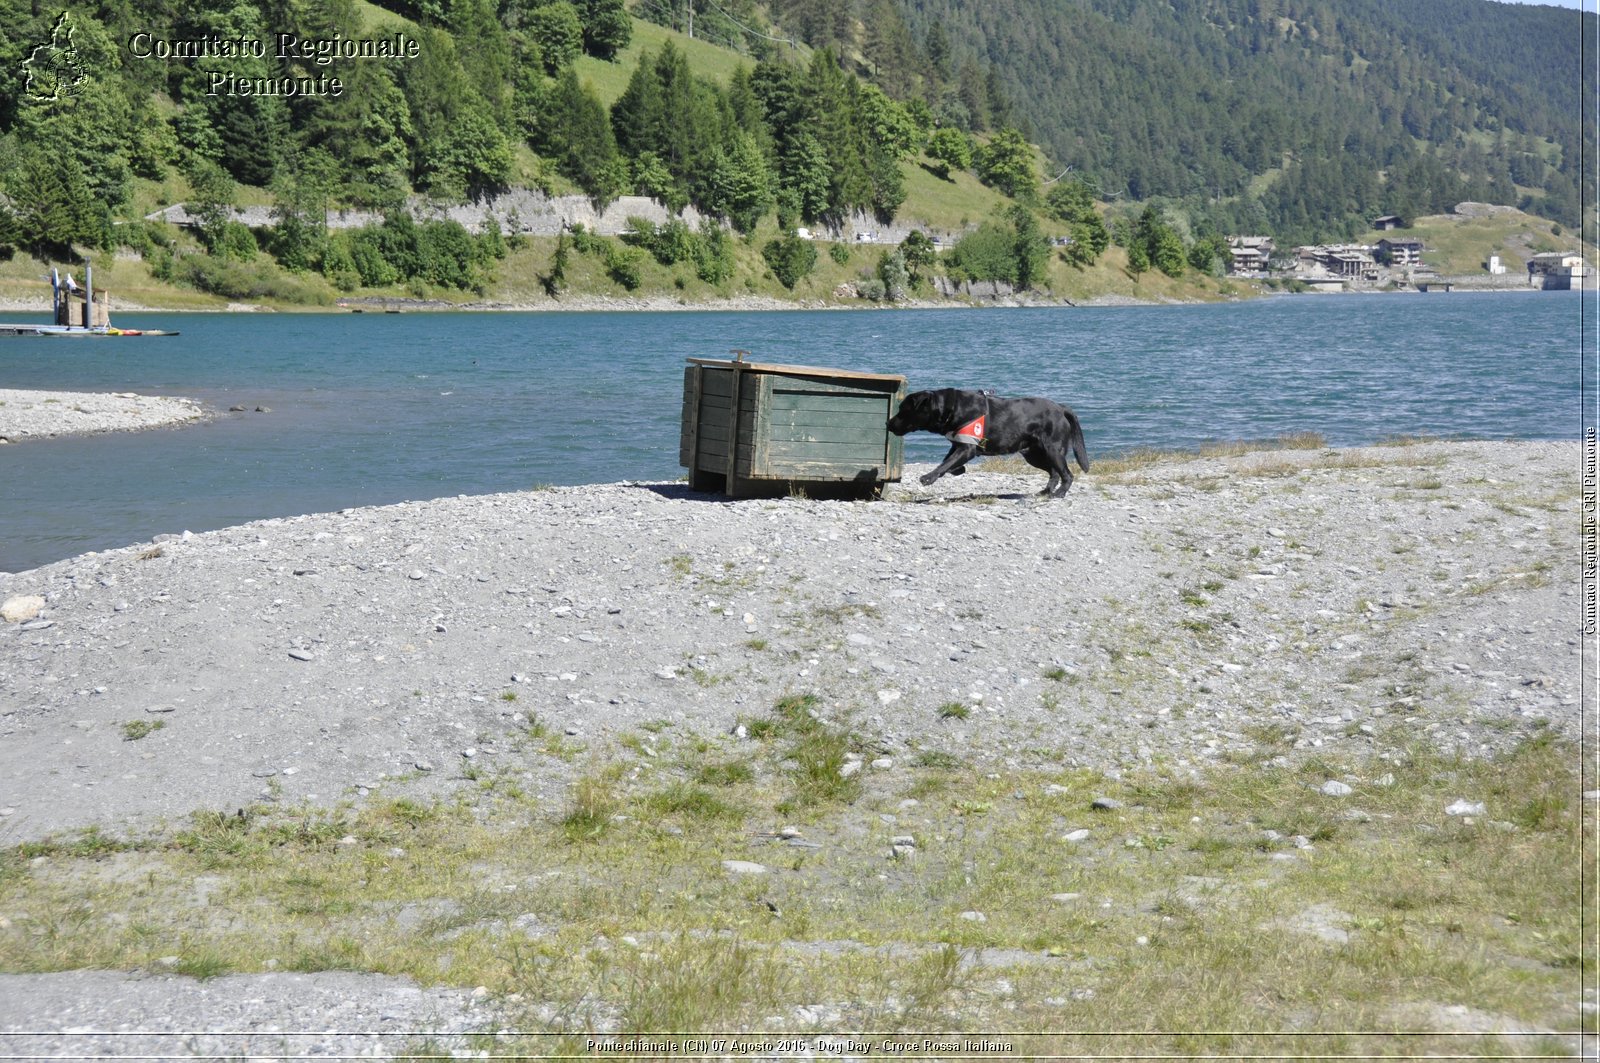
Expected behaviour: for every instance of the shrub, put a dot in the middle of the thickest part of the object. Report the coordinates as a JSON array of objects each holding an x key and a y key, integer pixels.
[
  {"x": 238, "y": 280},
  {"x": 587, "y": 242},
  {"x": 896, "y": 278},
  {"x": 713, "y": 254},
  {"x": 986, "y": 255},
  {"x": 366, "y": 257},
  {"x": 790, "y": 259},
  {"x": 674, "y": 243},
  {"x": 236, "y": 241},
  {"x": 339, "y": 267},
  {"x": 450, "y": 255},
  {"x": 668, "y": 244},
  {"x": 623, "y": 264}
]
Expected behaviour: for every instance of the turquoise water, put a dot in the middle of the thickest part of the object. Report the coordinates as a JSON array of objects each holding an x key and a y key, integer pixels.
[{"x": 377, "y": 408}]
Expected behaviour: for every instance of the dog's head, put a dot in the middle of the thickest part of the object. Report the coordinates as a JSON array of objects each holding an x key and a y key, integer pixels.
[{"x": 923, "y": 411}]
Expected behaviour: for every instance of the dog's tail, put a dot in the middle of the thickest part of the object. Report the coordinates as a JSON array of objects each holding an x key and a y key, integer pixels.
[{"x": 1077, "y": 440}]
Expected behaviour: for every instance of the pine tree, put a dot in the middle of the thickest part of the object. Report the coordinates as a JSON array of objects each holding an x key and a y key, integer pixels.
[
  {"x": 582, "y": 142},
  {"x": 741, "y": 184}
]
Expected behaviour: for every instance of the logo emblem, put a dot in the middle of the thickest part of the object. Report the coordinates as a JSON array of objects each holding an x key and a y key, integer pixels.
[{"x": 54, "y": 69}]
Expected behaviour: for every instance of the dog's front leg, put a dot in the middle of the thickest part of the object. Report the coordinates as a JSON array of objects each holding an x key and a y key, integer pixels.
[{"x": 960, "y": 454}]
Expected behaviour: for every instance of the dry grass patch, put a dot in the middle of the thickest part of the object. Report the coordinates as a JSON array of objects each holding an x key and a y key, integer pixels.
[{"x": 1238, "y": 898}]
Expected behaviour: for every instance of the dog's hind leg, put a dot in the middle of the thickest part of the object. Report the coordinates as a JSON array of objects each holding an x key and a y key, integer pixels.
[
  {"x": 1054, "y": 464},
  {"x": 960, "y": 454}
]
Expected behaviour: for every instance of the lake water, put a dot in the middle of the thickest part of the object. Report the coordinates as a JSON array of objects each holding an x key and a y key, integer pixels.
[{"x": 376, "y": 408}]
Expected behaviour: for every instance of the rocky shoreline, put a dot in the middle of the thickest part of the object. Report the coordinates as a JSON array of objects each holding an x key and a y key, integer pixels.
[
  {"x": 1177, "y": 605},
  {"x": 578, "y": 302},
  {"x": 1365, "y": 602},
  {"x": 47, "y": 414}
]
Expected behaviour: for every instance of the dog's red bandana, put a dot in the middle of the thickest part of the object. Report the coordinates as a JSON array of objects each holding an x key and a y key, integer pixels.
[{"x": 971, "y": 432}]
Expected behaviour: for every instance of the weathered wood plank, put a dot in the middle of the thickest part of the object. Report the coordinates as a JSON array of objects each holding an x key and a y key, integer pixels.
[
  {"x": 834, "y": 399},
  {"x": 717, "y": 382},
  {"x": 823, "y": 472},
  {"x": 691, "y": 415},
  {"x": 865, "y": 435},
  {"x": 714, "y": 432},
  {"x": 805, "y": 372},
  {"x": 784, "y": 452}
]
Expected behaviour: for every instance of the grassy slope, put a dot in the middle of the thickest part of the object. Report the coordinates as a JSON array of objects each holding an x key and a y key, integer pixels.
[
  {"x": 708, "y": 60},
  {"x": 1456, "y": 245}
]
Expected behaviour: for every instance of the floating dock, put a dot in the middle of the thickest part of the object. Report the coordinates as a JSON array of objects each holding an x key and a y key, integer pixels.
[{"x": 79, "y": 311}]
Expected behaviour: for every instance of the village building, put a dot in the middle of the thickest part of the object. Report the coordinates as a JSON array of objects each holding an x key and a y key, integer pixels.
[
  {"x": 1558, "y": 270},
  {"x": 1400, "y": 251},
  {"x": 1249, "y": 254}
]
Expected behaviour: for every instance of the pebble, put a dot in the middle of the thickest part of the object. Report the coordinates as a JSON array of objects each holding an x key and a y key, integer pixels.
[
  {"x": 1463, "y": 807},
  {"x": 16, "y": 609},
  {"x": 743, "y": 867},
  {"x": 1335, "y": 788}
]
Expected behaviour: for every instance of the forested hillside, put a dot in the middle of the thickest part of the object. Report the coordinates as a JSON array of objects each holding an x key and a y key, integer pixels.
[
  {"x": 1194, "y": 118},
  {"x": 1298, "y": 117}
]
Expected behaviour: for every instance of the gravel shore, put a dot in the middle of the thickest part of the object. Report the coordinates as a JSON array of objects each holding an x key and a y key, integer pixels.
[
  {"x": 1423, "y": 593},
  {"x": 43, "y": 414},
  {"x": 338, "y": 653}
]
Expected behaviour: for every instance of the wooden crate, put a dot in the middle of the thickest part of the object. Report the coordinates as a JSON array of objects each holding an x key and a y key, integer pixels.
[{"x": 793, "y": 427}]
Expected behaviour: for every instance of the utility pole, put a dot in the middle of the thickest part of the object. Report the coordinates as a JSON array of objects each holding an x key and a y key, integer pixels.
[{"x": 691, "y": 18}]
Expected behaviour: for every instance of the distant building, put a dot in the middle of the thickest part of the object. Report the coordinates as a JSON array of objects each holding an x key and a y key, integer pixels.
[
  {"x": 1400, "y": 251},
  {"x": 1387, "y": 222},
  {"x": 1558, "y": 270},
  {"x": 1496, "y": 267},
  {"x": 1249, "y": 254},
  {"x": 1346, "y": 262},
  {"x": 1554, "y": 260},
  {"x": 1335, "y": 263}
]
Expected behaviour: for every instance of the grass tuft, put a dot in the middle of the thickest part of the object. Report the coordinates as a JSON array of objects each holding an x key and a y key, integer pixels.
[
  {"x": 594, "y": 802},
  {"x": 134, "y": 730}
]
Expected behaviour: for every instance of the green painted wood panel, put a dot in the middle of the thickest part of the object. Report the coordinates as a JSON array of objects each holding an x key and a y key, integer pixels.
[
  {"x": 830, "y": 402},
  {"x": 799, "y": 435},
  {"x": 824, "y": 386},
  {"x": 781, "y": 451}
]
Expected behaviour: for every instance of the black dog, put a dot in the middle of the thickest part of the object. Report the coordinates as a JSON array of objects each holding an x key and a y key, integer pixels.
[{"x": 977, "y": 423}]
